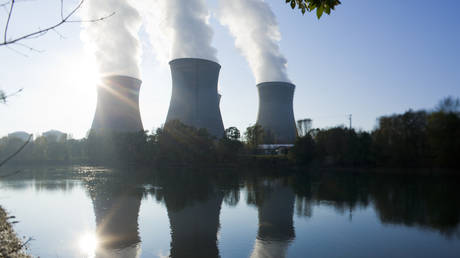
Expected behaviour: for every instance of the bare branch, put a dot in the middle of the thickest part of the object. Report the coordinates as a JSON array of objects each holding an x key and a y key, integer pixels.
[
  {"x": 59, "y": 34},
  {"x": 92, "y": 20},
  {"x": 29, "y": 48},
  {"x": 41, "y": 32},
  {"x": 16, "y": 152},
  {"x": 62, "y": 10},
  {"x": 3, "y": 96},
  {"x": 8, "y": 20},
  {"x": 17, "y": 52}
]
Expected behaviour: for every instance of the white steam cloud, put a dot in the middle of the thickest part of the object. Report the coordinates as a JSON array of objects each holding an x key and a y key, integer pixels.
[
  {"x": 178, "y": 28},
  {"x": 114, "y": 41},
  {"x": 257, "y": 36}
]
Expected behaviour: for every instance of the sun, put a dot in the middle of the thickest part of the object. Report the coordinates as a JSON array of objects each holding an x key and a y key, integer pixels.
[
  {"x": 72, "y": 92},
  {"x": 82, "y": 73}
]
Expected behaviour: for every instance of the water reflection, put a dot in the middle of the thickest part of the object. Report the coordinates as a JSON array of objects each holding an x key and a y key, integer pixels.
[
  {"x": 193, "y": 201},
  {"x": 275, "y": 202},
  {"x": 88, "y": 243},
  {"x": 193, "y": 205},
  {"x": 116, "y": 203},
  {"x": 428, "y": 202}
]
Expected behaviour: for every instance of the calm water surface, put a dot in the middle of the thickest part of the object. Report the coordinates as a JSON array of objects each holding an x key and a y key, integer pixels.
[{"x": 95, "y": 212}]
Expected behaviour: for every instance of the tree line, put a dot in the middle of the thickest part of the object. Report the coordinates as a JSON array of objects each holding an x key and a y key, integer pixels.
[{"x": 412, "y": 139}]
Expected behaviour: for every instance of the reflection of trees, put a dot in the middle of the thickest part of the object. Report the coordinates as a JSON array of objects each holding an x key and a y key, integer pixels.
[
  {"x": 42, "y": 179},
  {"x": 422, "y": 201},
  {"x": 425, "y": 202},
  {"x": 116, "y": 202}
]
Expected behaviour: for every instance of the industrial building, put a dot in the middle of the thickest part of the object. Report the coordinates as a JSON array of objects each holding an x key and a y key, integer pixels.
[
  {"x": 21, "y": 135},
  {"x": 276, "y": 115},
  {"x": 55, "y": 136},
  {"x": 118, "y": 105},
  {"x": 194, "y": 99}
]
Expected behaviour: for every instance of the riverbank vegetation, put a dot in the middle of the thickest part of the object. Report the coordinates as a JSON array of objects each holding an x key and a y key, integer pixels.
[
  {"x": 10, "y": 244},
  {"x": 414, "y": 139}
]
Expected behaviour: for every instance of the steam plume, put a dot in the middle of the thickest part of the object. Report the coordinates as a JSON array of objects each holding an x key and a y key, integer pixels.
[
  {"x": 178, "y": 28},
  {"x": 254, "y": 26},
  {"x": 115, "y": 40}
]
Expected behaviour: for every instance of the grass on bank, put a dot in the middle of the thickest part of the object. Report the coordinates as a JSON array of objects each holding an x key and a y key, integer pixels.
[{"x": 10, "y": 244}]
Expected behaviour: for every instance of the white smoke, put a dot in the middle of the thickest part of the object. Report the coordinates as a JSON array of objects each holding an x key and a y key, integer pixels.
[
  {"x": 178, "y": 28},
  {"x": 114, "y": 41},
  {"x": 257, "y": 36}
]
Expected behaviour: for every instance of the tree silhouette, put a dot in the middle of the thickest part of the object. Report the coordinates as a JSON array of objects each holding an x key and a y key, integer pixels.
[
  {"x": 65, "y": 18},
  {"x": 321, "y": 6}
]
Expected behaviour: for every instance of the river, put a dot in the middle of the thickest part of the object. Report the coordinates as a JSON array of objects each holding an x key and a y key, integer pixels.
[{"x": 99, "y": 212}]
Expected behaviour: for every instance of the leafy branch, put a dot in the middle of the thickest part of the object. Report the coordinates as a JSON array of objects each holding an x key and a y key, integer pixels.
[{"x": 321, "y": 6}]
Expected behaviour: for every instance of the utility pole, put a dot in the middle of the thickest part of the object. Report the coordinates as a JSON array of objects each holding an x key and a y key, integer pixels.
[{"x": 350, "y": 118}]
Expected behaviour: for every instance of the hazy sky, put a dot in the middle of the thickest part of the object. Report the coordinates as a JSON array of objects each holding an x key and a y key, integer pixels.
[{"x": 370, "y": 58}]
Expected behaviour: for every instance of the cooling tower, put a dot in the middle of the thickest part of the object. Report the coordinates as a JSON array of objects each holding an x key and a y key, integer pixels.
[
  {"x": 276, "y": 115},
  {"x": 118, "y": 105},
  {"x": 194, "y": 99}
]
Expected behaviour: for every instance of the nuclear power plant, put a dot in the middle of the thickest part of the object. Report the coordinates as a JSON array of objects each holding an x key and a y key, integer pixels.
[
  {"x": 195, "y": 100},
  {"x": 118, "y": 105},
  {"x": 276, "y": 115}
]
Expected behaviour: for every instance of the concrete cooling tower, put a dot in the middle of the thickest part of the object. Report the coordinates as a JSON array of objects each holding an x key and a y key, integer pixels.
[
  {"x": 118, "y": 105},
  {"x": 276, "y": 115},
  {"x": 194, "y": 99}
]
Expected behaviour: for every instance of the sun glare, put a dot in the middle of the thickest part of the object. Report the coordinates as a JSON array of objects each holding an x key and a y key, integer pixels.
[
  {"x": 88, "y": 244},
  {"x": 73, "y": 84},
  {"x": 82, "y": 74}
]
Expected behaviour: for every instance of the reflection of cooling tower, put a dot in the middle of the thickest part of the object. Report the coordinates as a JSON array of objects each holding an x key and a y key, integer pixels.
[
  {"x": 194, "y": 100},
  {"x": 116, "y": 208},
  {"x": 276, "y": 228},
  {"x": 194, "y": 228},
  {"x": 276, "y": 115},
  {"x": 118, "y": 105}
]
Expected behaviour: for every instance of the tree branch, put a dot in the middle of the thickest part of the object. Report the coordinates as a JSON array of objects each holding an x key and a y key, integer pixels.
[
  {"x": 62, "y": 9},
  {"x": 3, "y": 95},
  {"x": 16, "y": 152},
  {"x": 20, "y": 247},
  {"x": 41, "y": 32},
  {"x": 8, "y": 20}
]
